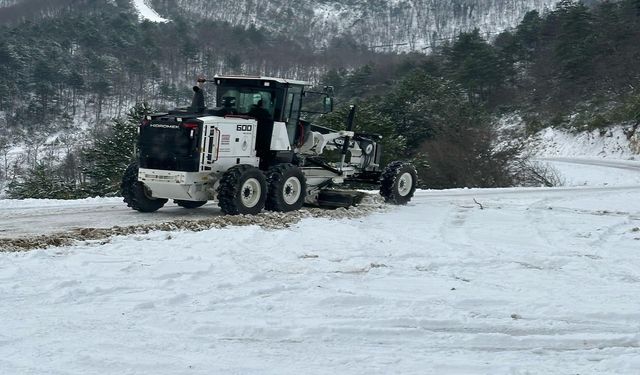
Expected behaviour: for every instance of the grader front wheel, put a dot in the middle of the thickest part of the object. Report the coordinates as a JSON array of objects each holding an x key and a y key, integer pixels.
[
  {"x": 287, "y": 188},
  {"x": 398, "y": 182}
]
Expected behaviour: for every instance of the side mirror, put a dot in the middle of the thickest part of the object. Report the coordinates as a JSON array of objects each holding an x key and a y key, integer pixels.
[
  {"x": 328, "y": 104},
  {"x": 325, "y": 98}
]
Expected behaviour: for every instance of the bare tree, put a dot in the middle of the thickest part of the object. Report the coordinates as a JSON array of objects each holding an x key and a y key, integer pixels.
[{"x": 534, "y": 173}]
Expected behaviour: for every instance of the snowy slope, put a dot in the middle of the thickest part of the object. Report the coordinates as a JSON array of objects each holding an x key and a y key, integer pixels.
[
  {"x": 145, "y": 12},
  {"x": 595, "y": 172},
  {"x": 539, "y": 281},
  {"x": 613, "y": 143}
]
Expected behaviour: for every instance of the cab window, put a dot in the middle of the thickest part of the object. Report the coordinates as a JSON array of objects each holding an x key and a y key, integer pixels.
[{"x": 242, "y": 99}]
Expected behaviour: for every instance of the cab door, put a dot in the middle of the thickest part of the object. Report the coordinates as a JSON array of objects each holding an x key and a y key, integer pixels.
[{"x": 292, "y": 107}]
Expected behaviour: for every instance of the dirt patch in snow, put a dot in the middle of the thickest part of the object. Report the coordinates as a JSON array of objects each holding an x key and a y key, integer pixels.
[{"x": 267, "y": 220}]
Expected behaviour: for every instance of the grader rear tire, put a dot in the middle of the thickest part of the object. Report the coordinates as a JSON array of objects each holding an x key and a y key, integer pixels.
[{"x": 242, "y": 191}]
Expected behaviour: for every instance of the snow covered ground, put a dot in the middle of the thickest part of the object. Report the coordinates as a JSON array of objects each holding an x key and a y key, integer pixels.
[
  {"x": 146, "y": 12},
  {"x": 525, "y": 281},
  {"x": 613, "y": 144}
]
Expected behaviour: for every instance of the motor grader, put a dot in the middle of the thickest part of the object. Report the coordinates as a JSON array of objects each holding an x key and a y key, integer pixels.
[{"x": 253, "y": 151}]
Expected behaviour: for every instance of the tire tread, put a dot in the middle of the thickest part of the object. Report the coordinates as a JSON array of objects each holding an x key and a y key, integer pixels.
[
  {"x": 229, "y": 189},
  {"x": 277, "y": 175},
  {"x": 132, "y": 192},
  {"x": 388, "y": 182}
]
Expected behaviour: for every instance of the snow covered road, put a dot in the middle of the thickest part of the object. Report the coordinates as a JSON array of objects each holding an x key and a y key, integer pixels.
[
  {"x": 33, "y": 217},
  {"x": 24, "y": 219},
  {"x": 537, "y": 282},
  {"x": 596, "y": 172},
  {"x": 28, "y": 218},
  {"x": 630, "y": 165}
]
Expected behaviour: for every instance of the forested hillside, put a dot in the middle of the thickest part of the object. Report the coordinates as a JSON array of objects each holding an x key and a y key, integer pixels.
[
  {"x": 77, "y": 67},
  {"x": 93, "y": 65},
  {"x": 17, "y": 11},
  {"x": 382, "y": 24},
  {"x": 574, "y": 66}
]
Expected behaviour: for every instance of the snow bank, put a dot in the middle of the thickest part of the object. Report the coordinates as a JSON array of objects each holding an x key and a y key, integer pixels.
[
  {"x": 614, "y": 144},
  {"x": 596, "y": 172},
  {"x": 610, "y": 143}
]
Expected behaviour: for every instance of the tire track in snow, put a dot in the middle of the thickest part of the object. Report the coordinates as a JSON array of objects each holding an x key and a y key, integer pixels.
[{"x": 452, "y": 230}]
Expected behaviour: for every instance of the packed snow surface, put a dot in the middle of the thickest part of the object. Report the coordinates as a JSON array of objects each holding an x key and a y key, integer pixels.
[
  {"x": 146, "y": 12},
  {"x": 467, "y": 281}
]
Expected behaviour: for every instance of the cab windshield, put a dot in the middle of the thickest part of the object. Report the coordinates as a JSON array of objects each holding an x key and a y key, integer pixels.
[{"x": 241, "y": 100}]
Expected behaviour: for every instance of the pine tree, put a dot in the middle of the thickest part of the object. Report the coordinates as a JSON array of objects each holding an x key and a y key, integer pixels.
[
  {"x": 335, "y": 79},
  {"x": 358, "y": 83},
  {"x": 41, "y": 182},
  {"x": 573, "y": 48},
  {"x": 528, "y": 35},
  {"x": 112, "y": 153},
  {"x": 422, "y": 106},
  {"x": 474, "y": 63}
]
